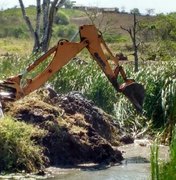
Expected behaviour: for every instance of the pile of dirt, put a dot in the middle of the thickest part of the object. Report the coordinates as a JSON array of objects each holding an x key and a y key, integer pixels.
[{"x": 77, "y": 131}]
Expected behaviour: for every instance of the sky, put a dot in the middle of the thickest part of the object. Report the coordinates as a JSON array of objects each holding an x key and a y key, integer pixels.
[{"x": 159, "y": 6}]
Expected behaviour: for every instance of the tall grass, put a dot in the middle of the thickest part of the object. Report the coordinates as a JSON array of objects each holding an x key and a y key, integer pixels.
[
  {"x": 88, "y": 79},
  {"x": 159, "y": 80},
  {"x": 154, "y": 161},
  {"x": 155, "y": 77},
  {"x": 85, "y": 76},
  {"x": 17, "y": 149},
  {"x": 164, "y": 170},
  {"x": 169, "y": 105}
]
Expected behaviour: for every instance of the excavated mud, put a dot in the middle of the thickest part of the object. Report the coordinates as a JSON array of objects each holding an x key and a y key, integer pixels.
[{"x": 77, "y": 130}]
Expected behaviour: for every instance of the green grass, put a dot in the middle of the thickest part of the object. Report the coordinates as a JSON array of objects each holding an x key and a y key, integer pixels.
[
  {"x": 164, "y": 170},
  {"x": 154, "y": 161},
  {"x": 73, "y": 13},
  {"x": 159, "y": 81},
  {"x": 17, "y": 149},
  {"x": 14, "y": 46},
  {"x": 87, "y": 79}
]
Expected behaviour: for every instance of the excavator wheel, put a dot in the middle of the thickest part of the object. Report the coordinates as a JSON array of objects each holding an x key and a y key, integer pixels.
[{"x": 135, "y": 93}]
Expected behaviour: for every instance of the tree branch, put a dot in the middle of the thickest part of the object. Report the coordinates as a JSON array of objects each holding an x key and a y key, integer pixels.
[
  {"x": 125, "y": 29},
  {"x": 37, "y": 28},
  {"x": 48, "y": 9},
  {"x": 55, "y": 5},
  {"x": 45, "y": 8},
  {"x": 26, "y": 18},
  {"x": 60, "y": 4}
]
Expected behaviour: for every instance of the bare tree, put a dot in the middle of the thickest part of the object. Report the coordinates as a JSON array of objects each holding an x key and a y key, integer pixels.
[
  {"x": 92, "y": 14},
  {"x": 150, "y": 12},
  {"x": 42, "y": 31},
  {"x": 100, "y": 19},
  {"x": 133, "y": 35}
]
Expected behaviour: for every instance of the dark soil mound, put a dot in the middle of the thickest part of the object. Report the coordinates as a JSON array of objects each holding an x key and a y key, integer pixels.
[{"x": 77, "y": 131}]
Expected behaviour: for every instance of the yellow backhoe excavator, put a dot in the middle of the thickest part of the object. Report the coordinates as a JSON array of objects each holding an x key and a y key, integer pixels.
[{"x": 90, "y": 38}]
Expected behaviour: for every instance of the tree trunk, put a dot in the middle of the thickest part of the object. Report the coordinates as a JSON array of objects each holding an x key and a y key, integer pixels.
[
  {"x": 135, "y": 46},
  {"x": 28, "y": 22},
  {"x": 42, "y": 36},
  {"x": 37, "y": 28},
  {"x": 46, "y": 8},
  {"x": 133, "y": 32},
  {"x": 136, "y": 63}
]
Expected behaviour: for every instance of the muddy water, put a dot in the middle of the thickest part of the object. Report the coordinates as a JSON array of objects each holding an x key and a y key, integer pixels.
[
  {"x": 130, "y": 171},
  {"x": 136, "y": 166}
]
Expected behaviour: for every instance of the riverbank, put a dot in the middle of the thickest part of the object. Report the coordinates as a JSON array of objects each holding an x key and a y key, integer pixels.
[
  {"x": 135, "y": 166},
  {"x": 74, "y": 131}
]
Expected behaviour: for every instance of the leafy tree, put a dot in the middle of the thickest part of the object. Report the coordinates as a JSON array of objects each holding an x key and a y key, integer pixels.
[
  {"x": 42, "y": 31},
  {"x": 166, "y": 26},
  {"x": 161, "y": 31},
  {"x": 61, "y": 18},
  {"x": 69, "y": 4},
  {"x": 135, "y": 11}
]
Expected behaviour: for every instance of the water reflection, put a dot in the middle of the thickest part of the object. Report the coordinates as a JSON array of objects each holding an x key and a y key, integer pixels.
[{"x": 135, "y": 168}]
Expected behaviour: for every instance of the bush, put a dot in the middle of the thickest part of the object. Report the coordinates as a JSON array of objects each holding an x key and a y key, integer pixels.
[
  {"x": 17, "y": 32},
  {"x": 9, "y": 62},
  {"x": 89, "y": 80},
  {"x": 64, "y": 31},
  {"x": 17, "y": 149},
  {"x": 61, "y": 19},
  {"x": 114, "y": 38}
]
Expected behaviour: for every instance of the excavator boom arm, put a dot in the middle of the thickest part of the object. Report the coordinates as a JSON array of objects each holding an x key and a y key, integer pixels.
[
  {"x": 91, "y": 39},
  {"x": 64, "y": 52}
]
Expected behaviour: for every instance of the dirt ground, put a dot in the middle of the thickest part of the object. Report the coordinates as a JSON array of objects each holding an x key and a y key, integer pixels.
[
  {"x": 111, "y": 22},
  {"x": 77, "y": 130}
]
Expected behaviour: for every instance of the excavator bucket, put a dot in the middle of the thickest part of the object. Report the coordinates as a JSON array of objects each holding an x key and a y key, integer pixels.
[
  {"x": 7, "y": 92},
  {"x": 135, "y": 93}
]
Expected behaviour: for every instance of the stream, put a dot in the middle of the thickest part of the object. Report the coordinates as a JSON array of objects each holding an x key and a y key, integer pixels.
[
  {"x": 135, "y": 166},
  {"x": 130, "y": 171}
]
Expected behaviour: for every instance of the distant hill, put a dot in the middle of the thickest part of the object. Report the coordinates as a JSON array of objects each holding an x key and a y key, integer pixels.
[
  {"x": 12, "y": 23},
  {"x": 112, "y": 21}
]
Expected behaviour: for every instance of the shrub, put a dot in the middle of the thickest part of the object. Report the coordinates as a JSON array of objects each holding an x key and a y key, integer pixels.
[
  {"x": 89, "y": 80},
  {"x": 17, "y": 149},
  {"x": 61, "y": 18},
  {"x": 114, "y": 38},
  {"x": 64, "y": 31},
  {"x": 17, "y": 32}
]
